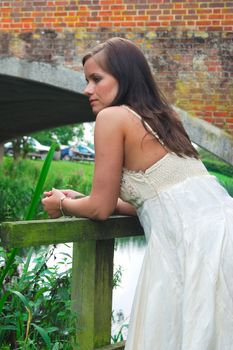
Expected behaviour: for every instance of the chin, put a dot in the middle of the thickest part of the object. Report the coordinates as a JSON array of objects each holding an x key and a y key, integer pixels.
[{"x": 96, "y": 110}]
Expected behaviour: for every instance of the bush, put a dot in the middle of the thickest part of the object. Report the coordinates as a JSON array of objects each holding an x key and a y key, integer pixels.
[
  {"x": 218, "y": 167},
  {"x": 36, "y": 313},
  {"x": 15, "y": 197}
]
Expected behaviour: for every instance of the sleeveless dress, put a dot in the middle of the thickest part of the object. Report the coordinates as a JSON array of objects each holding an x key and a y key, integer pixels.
[{"x": 184, "y": 295}]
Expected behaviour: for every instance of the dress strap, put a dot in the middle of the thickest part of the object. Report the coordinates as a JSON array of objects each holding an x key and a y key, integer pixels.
[{"x": 154, "y": 133}]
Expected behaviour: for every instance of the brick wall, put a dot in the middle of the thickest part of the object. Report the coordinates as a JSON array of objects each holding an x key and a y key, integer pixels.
[{"x": 189, "y": 43}]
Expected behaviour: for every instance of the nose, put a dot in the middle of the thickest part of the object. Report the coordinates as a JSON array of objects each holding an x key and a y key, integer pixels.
[{"x": 89, "y": 89}]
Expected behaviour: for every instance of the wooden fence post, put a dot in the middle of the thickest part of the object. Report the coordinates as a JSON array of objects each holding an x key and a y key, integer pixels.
[{"x": 92, "y": 280}]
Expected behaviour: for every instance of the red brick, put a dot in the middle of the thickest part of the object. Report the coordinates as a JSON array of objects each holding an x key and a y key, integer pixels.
[
  {"x": 219, "y": 16},
  {"x": 153, "y": 24},
  {"x": 179, "y": 12},
  {"x": 203, "y": 11},
  {"x": 203, "y": 23},
  {"x": 220, "y": 114},
  {"x": 230, "y": 10},
  {"x": 168, "y": 18},
  {"x": 227, "y": 23},
  {"x": 178, "y": 6}
]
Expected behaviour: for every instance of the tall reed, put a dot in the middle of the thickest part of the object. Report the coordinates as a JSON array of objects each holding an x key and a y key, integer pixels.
[{"x": 10, "y": 266}]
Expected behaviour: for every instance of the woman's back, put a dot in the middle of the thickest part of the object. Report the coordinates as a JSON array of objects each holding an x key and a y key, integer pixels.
[{"x": 142, "y": 148}]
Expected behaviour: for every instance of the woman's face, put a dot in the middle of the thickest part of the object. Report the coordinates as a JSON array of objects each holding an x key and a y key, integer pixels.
[{"x": 101, "y": 88}]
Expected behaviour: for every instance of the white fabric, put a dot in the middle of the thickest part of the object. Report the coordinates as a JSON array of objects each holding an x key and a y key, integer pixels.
[{"x": 184, "y": 297}]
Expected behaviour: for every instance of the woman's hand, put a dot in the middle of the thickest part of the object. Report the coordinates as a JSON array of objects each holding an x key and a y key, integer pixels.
[
  {"x": 68, "y": 193},
  {"x": 72, "y": 194},
  {"x": 52, "y": 202}
]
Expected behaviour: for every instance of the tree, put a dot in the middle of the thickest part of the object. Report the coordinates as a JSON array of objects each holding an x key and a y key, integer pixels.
[
  {"x": 63, "y": 134},
  {"x": 1, "y": 151}
]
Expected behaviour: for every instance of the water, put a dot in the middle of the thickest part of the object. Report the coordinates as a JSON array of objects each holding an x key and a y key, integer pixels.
[{"x": 129, "y": 255}]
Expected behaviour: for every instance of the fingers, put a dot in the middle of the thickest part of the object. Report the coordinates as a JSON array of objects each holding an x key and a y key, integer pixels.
[
  {"x": 54, "y": 214},
  {"x": 50, "y": 193},
  {"x": 51, "y": 208},
  {"x": 43, "y": 201},
  {"x": 47, "y": 193}
]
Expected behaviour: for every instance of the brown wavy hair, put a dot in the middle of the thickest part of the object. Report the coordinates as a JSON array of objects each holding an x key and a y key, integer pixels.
[{"x": 138, "y": 90}]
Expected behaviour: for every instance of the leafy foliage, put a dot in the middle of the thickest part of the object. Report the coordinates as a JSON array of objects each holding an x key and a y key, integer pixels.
[
  {"x": 36, "y": 312},
  {"x": 63, "y": 134}
]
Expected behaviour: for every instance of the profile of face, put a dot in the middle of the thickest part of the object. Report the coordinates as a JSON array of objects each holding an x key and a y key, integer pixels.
[{"x": 102, "y": 87}]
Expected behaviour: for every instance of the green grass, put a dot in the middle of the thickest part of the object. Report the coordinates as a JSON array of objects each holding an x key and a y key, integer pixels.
[
  {"x": 76, "y": 175},
  {"x": 63, "y": 173},
  {"x": 18, "y": 181}
]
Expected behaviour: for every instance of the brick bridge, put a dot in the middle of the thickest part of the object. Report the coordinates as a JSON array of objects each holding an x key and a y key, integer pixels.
[{"x": 189, "y": 44}]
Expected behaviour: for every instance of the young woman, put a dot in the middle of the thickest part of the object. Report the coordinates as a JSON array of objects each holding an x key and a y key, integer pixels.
[{"x": 184, "y": 297}]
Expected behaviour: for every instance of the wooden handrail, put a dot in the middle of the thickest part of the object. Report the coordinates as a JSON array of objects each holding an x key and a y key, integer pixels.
[
  {"x": 118, "y": 346},
  {"x": 92, "y": 266},
  {"x": 44, "y": 232}
]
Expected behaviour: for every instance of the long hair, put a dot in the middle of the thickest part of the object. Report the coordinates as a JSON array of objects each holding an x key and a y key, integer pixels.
[{"x": 138, "y": 90}]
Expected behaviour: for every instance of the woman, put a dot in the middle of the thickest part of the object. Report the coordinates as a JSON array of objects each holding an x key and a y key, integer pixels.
[{"x": 184, "y": 297}]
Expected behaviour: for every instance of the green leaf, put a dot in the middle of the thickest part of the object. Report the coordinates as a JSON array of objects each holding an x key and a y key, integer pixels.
[
  {"x": 3, "y": 300},
  {"x": 40, "y": 184},
  {"x": 40, "y": 293},
  {"x": 43, "y": 334},
  {"x": 56, "y": 346},
  {"x": 8, "y": 328},
  {"x": 52, "y": 329},
  {"x": 66, "y": 254},
  {"x": 22, "y": 298}
]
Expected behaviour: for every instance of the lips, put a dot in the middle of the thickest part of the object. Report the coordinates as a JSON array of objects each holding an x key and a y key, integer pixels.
[{"x": 92, "y": 102}]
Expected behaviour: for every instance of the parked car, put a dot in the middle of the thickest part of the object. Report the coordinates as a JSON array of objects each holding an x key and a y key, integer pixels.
[
  {"x": 86, "y": 151},
  {"x": 8, "y": 149},
  {"x": 36, "y": 149},
  {"x": 78, "y": 152}
]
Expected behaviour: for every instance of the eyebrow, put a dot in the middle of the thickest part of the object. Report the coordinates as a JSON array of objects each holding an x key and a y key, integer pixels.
[{"x": 92, "y": 75}]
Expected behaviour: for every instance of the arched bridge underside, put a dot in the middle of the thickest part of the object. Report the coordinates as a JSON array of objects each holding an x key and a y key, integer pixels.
[{"x": 36, "y": 96}]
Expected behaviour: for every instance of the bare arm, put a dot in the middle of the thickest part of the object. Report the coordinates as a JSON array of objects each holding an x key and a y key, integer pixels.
[
  {"x": 103, "y": 199},
  {"x": 124, "y": 208}
]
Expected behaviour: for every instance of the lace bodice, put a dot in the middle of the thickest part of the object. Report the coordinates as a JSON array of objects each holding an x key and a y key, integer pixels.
[{"x": 136, "y": 187}]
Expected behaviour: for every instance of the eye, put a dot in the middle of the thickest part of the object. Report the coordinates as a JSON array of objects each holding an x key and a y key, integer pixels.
[{"x": 96, "y": 79}]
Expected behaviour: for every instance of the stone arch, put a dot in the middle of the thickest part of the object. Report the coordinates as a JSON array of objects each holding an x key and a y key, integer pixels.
[
  {"x": 46, "y": 73},
  {"x": 43, "y": 95},
  {"x": 38, "y": 95},
  {"x": 208, "y": 136}
]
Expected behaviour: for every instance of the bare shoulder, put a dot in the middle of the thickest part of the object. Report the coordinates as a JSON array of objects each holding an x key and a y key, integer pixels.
[{"x": 114, "y": 114}]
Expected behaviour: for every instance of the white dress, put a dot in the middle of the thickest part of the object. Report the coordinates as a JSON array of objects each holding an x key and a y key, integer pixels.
[{"x": 184, "y": 296}]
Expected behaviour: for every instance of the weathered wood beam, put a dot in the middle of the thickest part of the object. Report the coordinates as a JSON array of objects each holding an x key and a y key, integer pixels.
[
  {"x": 117, "y": 346},
  {"x": 45, "y": 232},
  {"x": 92, "y": 283}
]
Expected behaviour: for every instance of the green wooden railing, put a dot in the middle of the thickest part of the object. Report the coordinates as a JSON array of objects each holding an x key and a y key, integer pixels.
[{"x": 92, "y": 266}]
